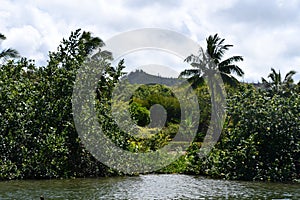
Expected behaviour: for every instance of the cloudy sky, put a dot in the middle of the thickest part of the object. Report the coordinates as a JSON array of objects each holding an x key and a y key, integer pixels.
[{"x": 266, "y": 33}]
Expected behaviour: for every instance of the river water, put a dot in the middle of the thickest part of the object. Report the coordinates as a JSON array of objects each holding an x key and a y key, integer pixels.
[{"x": 171, "y": 186}]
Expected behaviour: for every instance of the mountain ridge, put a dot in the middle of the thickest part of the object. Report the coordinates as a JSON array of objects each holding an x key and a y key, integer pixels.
[{"x": 141, "y": 77}]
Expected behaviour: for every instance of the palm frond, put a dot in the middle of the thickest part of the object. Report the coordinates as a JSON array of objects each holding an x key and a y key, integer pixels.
[
  {"x": 9, "y": 53},
  {"x": 229, "y": 79},
  {"x": 229, "y": 69},
  {"x": 2, "y": 37},
  {"x": 190, "y": 58},
  {"x": 276, "y": 82},
  {"x": 231, "y": 60},
  {"x": 208, "y": 62},
  {"x": 264, "y": 81},
  {"x": 215, "y": 48},
  {"x": 195, "y": 81},
  {"x": 220, "y": 50},
  {"x": 275, "y": 77},
  {"x": 189, "y": 73},
  {"x": 289, "y": 76},
  {"x": 91, "y": 42}
]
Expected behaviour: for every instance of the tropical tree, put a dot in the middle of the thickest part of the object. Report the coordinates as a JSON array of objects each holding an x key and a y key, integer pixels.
[
  {"x": 209, "y": 67},
  {"x": 210, "y": 62},
  {"x": 38, "y": 138},
  {"x": 260, "y": 139},
  {"x": 7, "y": 53},
  {"x": 276, "y": 84}
]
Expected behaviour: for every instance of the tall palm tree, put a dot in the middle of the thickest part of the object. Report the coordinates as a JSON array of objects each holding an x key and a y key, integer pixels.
[
  {"x": 213, "y": 55},
  {"x": 7, "y": 53},
  {"x": 207, "y": 65},
  {"x": 276, "y": 83}
]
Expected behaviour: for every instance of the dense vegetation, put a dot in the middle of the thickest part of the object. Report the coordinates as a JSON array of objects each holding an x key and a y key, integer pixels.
[
  {"x": 37, "y": 136},
  {"x": 260, "y": 139}
]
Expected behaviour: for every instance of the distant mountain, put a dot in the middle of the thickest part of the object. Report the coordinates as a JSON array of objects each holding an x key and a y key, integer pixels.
[{"x": 141, "y": 77}]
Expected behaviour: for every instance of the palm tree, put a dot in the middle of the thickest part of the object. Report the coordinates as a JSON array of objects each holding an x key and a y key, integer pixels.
[
  {"x": 213, "y": 55},
  {"x": 7, "y": 53},
  {"x": 207, "y": 65},
  {"x": 94, "y": 43},
  {"x": 276, "y": 83}
]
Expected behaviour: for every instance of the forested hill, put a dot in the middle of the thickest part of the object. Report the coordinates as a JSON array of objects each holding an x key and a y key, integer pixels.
[{"x": 141, "y": 77}]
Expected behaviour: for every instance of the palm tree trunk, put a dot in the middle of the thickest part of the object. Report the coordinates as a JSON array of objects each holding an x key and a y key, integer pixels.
[{"x": 214, "y": 109}]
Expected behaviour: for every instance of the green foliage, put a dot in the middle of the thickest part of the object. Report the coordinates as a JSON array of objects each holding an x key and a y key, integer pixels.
[
  {"x": 185, "y": 163},
  {"x": 16, "y": 95},
  {"x": 37, "y": 135},
  {"x": 261, "y": 140},
  {"x": 149, "y": 95},
  {"x": 210, "y": 62},
  {"x": 38, "y": 139},
  {"x": 278, "y": 86},
  {"x": 135, "y": 135},
  {"x": 204, "y": 100},
  {"x": 140, "y": 114}
]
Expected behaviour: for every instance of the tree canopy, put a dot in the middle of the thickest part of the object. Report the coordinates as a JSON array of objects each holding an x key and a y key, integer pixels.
[{"x": 209, "y": 62}]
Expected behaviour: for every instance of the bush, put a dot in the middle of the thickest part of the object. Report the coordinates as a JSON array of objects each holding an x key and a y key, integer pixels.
[
  {"x": 140, "y": 114},
  {"x": 38, "y": 138},
  {"x": 261, "y": 140}
]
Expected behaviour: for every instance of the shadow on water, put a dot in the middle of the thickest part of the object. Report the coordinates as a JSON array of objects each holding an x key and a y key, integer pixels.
[{"x": 147, "y": 187}]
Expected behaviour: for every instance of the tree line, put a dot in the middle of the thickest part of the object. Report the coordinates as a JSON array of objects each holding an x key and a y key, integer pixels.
[{"x": 38, "y": 139}]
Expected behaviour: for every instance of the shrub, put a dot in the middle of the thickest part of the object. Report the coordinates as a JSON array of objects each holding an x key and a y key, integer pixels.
[{"x": 261, "y": 140}]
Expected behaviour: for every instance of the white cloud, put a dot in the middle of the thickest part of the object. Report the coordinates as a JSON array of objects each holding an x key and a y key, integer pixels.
[
  {"x": 27, "y": 40},
  {"x": 264, "y": 32}
]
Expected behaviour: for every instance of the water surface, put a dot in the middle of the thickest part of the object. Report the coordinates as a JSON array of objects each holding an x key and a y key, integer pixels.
[{"x": 171, "y": 186}]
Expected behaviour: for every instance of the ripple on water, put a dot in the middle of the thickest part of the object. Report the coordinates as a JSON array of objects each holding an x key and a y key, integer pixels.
[{"x": 170, "y": 186}]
